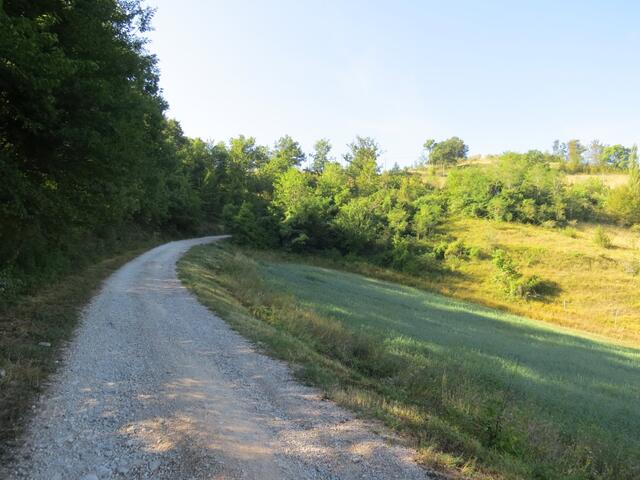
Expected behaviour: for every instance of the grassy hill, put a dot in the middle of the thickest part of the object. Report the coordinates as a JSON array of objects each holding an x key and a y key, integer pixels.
[
  {"x": 435, "y": 178},
  {"x": 611, "y": 180},
  {"x": 484, "y": 393},
  {"x": 594, "y": 288}
]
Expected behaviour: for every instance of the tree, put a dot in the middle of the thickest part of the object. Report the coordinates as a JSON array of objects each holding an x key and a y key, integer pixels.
[
  {"x": 633, "y": 160},
  {"x": 82, "y": 148},
  {"x": 559, "y": 150},
  {"x": 363, "y": 169},
  {"x": 247, "y": 154},
  {"x": 574, "y": 155},
  {"x": 429, "y": 215},
  {"x": 322, "y": 149},
  {"x": 616, "y": 156},
  {"x": 427, "y": 147},
  {"x": 287, "y": 153},
  {"x": 332, "y": 184},
  {"x": 303, "y": 212},
  {"x": 623, "y": 202},
  {"x": 594, "y": 153},
  {"x": 448, "y": 152},
  {"x": 359, "y": 225}
]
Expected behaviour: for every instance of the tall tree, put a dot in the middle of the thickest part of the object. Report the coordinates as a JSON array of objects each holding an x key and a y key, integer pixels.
[
  {"x": 320, "y": 155},
  {"x": 616, "y": 156},
  {"x": 574, "y": 155},
  {"x": 82, "y": 148},
  {"x": 448, "y": 152},
  {"x": 362, "y": 160},
  {"x": 427, "y": 147},
  {"x": 594, "y": 153},
  {"x": 287, "y": 153},
  {"x": 559, "y": 150}
]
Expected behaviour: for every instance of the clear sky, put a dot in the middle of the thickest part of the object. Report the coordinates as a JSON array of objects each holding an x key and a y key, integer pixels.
[{"x": 502, "y": 75}]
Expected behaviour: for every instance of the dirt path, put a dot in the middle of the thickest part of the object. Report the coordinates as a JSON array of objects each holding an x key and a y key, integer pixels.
[{"x": 156, "y": 386}]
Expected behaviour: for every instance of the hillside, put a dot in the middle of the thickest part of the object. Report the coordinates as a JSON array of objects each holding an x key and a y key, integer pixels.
[
  {"x": 483, "y": 393},
  {"x": 593, "y": 288}
]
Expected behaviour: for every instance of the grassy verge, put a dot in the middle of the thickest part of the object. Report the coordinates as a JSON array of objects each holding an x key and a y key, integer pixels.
[
  {"x": 483, "y": 393},
  {"x": 33, "y": 327}
]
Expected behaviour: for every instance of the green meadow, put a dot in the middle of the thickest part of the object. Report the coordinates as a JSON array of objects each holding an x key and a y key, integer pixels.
[{"x": 483, "y": 393}]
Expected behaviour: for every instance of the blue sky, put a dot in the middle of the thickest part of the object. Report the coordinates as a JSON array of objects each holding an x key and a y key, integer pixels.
[{"x": 502, "y": 75}]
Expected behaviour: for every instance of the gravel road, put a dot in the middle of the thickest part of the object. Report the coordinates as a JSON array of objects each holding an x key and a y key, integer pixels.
[{"x": 156, "y": 386}]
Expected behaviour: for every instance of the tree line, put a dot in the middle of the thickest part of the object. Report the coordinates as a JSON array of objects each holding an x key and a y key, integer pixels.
[
  {"x": 395, "y": 217},
  {"x": 87, "y": 156},
  {"x": 575, "y": 157}
]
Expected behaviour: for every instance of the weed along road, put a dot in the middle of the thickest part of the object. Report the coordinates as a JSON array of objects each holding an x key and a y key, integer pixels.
[{"x": 156, "y": 386}]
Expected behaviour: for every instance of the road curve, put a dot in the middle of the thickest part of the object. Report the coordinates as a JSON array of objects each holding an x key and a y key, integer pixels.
[{"x": 156, "y": 386}]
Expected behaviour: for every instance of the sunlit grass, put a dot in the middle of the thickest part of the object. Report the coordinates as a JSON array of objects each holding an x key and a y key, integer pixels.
[
  {"x": 597, "y": 289},
  {"x": 482, "y": 392}
]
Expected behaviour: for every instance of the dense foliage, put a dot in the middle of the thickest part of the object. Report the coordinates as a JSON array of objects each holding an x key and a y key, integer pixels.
[
  {"x": 86, "y": 155},
  {"x": 82, "y": 146},
  {"x": 88, "y": 160},
  {"x": 524, "y": 188},
  {"x": 393, "y": 217}
]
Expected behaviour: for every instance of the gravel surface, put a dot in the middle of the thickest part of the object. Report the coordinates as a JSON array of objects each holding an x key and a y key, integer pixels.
[{"x": 156, "y": 386}]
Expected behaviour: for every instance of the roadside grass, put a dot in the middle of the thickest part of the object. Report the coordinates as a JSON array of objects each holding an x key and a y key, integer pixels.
[
  {"x": 47, "y": 314},
  {"x": 483, "y": 393}
]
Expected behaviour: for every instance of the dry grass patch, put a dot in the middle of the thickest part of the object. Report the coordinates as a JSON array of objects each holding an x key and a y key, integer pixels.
[
  {"x": 611, "y": 180},
  {"x": 597, "y": 287}
]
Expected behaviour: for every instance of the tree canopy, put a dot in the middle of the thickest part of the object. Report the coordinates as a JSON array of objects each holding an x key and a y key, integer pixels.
[{"x": 446, "y": 153}]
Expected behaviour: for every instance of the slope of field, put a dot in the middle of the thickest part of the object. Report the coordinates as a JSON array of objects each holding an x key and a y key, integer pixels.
[
  {"x": 436, "y": 178},
  {"x": 484, "y": 393},
  {"x": 594, "y": 289},
  {"x": 611, "y": 180}
]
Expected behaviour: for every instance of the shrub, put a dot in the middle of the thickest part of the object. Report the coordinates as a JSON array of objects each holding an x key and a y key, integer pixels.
[
  {"x": 521, "y": 188},
  {"x": 457, "y": 249},
  {"x": 430, "y": 213},
  {"x": 439, "y": 250},
  {"x": 601, "y": 238},
  {"x": 512, "y": 281}
]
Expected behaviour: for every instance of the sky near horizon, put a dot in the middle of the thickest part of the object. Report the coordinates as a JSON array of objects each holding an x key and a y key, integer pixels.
[{"x": 501, "y": 75}]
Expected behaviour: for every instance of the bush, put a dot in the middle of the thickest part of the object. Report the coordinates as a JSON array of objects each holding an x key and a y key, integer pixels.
[
  {"x": 457, "y": 249},
  {"x": 439, "y": 250},
  {"x": 601, "y": 238},
  {"x": 512, "y": 281},
  {"x": 521, "y": 188}
]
